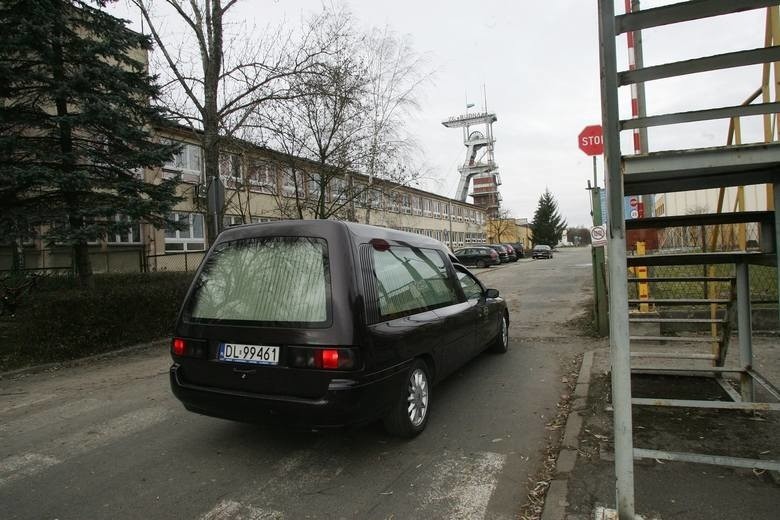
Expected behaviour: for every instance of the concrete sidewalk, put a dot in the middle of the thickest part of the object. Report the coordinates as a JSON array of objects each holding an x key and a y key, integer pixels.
[{"x": 585, "y": 480}]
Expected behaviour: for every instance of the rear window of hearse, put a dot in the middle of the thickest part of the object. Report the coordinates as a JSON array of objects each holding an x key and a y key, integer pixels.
[{"x": 267, "y": 280}]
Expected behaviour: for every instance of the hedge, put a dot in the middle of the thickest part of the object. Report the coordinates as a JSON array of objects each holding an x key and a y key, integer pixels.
[{"x": 58, "y": 321}]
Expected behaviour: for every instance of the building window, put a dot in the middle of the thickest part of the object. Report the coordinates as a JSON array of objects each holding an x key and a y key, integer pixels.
[
  {"x": 261, "y": 176},
  {"x": 416, "y": 205},
  {"x": 293, "y": 183},
  {"x": 131, "y": 236},
  {"x": 233, "y": 220},
  {"x": 375, "y": 198},
  {"x": 393, "y": 202},
  {"x": 339, "y": 189},
  {"x": 427, "y": 207},
  {"x": 190, "y": 237},
  {"x": 406, "y": 202},
  {"x": 187, "y": 161},
  {"x": 314, "y": 184},
  {"x": 230, "y": 169}
]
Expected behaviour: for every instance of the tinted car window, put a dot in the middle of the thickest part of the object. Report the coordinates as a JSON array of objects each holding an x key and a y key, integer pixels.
[
  {"x": 275, "y": 280},
  {"x": 471, "y": 288},
  {"x": 410, "y": 280}
]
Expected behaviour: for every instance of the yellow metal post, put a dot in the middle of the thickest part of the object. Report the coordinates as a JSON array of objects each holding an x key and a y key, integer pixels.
[{"x": 643, "y": 288}]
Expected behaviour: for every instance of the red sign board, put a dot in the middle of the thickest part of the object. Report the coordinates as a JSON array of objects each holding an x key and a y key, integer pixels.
[{"x": 591, "y": 140}]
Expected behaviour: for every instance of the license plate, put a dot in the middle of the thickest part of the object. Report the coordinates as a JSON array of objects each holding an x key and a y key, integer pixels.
[{"x": 258, "y": 354}]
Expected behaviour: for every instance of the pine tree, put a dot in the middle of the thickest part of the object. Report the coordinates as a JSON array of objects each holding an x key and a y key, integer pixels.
[
  {"x": 548, "y": 226},
  {"x": 75, "y": 114}
]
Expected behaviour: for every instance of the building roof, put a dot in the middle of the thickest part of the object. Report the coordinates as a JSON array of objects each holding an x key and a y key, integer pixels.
[{"x": 187, "y": 131}]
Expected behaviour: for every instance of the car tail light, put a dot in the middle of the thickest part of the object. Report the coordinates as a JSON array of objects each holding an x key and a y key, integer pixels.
[
  {"x": 179, "y": 347},
  {"x": 323, "y": 358},
  {"x": 330, "y": 358},
  {"x": 195, "y": 348}
]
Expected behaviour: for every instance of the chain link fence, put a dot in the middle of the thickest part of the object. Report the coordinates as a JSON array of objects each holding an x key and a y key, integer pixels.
[
  {"x": 763, "y": 282},
  {"x": 698, "y": 239},
  {"x": 185, "y": 261},
  {"x": 60, "y": 260}
]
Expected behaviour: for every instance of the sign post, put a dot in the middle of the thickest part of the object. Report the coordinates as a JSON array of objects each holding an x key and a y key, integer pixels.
[{"x": 591, "y": 142}]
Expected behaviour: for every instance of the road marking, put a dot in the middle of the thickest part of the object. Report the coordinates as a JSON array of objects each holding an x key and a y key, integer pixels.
[
  {"x": 47, "y": 418},
  {"x": 291, "y": 471},
  {"x": 29, "y": 464},
  {"x": 462, "y": 486},
  {"x": 29, "y": 402},
  {"x": 231, "y": 510}
]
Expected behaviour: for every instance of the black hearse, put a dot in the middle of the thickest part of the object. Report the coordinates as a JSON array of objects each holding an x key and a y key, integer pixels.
[{"x": 326, "y": 323}]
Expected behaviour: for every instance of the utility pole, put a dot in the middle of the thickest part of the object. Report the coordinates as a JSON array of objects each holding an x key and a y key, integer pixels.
[{"x": 601, "y": 318}]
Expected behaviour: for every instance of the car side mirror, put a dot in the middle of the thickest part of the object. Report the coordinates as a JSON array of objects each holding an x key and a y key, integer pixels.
[{"x": 491, "y": 293}]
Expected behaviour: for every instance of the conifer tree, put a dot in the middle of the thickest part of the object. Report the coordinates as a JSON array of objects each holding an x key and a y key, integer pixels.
[
  {"x": 548, "y": 226},
  {"x": 75, "y": 117}
]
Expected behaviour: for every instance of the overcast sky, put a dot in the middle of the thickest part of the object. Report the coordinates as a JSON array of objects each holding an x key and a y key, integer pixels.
[{"x": 539, "y": 63}]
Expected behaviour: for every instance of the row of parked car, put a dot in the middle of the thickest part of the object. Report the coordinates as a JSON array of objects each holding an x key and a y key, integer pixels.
[
  {"x": 490, "y": 254},
  {"x": 494, "y": 254}
]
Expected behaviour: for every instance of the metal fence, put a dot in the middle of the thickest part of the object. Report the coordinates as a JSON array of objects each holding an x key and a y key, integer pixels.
[
  {"x": 60, "y": 260},
  {"x": 698, "y": 239},
  {"x": 763, "y": 282},
  {"x": 186, "y": 261},
  {"x": 727, "y": 237}
]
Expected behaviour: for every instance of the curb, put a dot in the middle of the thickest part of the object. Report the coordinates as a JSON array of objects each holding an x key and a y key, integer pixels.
[
  {"x": 556, "y": 501},
  {"x": 21, "y": 372}
]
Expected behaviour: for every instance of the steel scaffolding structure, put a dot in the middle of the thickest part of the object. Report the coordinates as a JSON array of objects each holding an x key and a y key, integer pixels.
[
  {"x": 663, "y": 172},
  {"x": 480, "y": 164}
]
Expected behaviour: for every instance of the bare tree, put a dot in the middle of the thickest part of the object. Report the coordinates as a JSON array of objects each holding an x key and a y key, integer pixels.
[
  {"x": 232, "y": 70},
  {"x": 502, "y": 226},
  {"x": 349, "y": 118}
]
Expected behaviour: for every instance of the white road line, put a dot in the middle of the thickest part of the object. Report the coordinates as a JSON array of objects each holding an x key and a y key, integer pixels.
[
  {"x": 27, "y": 465},
  {"x": 28, "y": 402},
  {"x": 46, "y": 418},
  {"x": 231, "y": 510},
  {"x": 63, "y": 448},
  {"x": 462, "y": 486},
  {"x": 289, "y": 472}
]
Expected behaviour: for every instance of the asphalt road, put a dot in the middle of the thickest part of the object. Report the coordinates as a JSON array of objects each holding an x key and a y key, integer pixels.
[{"x": 106, "y": 439}]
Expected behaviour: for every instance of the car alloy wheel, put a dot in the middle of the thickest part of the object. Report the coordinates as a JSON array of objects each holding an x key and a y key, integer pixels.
[
  {"x": 410, "y": 414},
  {"x": 417, "y": 397},
  {"x": 501, "y": 344},
  {"x": 481, "y": 263}
]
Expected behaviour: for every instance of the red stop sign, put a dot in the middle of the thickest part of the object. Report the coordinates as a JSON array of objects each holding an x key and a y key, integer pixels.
[{"x": 591, "y": 140}]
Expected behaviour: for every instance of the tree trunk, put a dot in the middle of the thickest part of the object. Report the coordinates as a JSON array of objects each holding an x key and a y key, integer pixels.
[
  {"x": 69, "y": 183},
  {"x": 212, "y": 66},
  {"x": 17, "y": 257},
  {"x": 83, "y": 265}
]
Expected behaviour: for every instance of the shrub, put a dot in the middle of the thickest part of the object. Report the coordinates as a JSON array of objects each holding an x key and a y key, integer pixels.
[{"x": 59, "y": 321}]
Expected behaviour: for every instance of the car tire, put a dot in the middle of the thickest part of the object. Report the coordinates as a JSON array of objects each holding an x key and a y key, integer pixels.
[
  {"x": 409, "y": 416},
  {"x": 501, "y": 343},
  {"x": 481, "y": 263}
]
